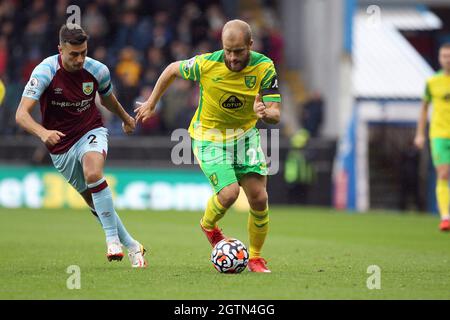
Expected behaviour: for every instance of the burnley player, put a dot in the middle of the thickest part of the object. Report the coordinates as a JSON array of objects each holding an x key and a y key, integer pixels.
[{"x": 65, "y": 86}]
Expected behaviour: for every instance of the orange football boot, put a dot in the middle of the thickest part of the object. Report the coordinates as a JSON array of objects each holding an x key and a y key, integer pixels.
[{"x": 258, "y": 265}]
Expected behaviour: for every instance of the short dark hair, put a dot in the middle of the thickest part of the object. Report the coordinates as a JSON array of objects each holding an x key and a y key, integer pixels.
[
  {"x": 73, "y": 34},
  {"x": 446, "y": 45}
]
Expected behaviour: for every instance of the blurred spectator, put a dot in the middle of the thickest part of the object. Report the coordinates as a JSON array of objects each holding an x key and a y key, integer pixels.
[
  {"x": 272, "y": 40},
  {"x": 8, "y": 109},
  {"x": 126, "y": 94},
  {"x": 36, "y": 36},
  {"x": 205, "y": 47},
  {"x": 410, "y": 198},
  {"x": 150, "y": 77},
  {"x": 95, "y": 25},
  {"x": 312, "y": 114},
  {"x": 156, "y": 59},
  {"x": 299, "y": 173},
  {"x": 7, "y": 29},
  {"x": 199, "y": 29},
  {"x": 4, "y": 54},
  {"x": 272, "y": 43},
  {"x": 152, "y": 125},
  {"x": 179, "y": 50},
  {"x": 100, "y": 54},
  {"x": 31, "y": 61},
  {"x": 132, "y": 5},
  {"x": 128, "y": 69},
  {"x": 161, "y": 36},
  {"x": 216, "y": 20},
  {"x": 126, "y": 35},
  {"x": 183, "y": 29},
  {"x": 143, "y": 32},
  {"x": 176, "y": 105},
  {"x": 37, "y": 8},
  {"x": 7, "y": 9}
]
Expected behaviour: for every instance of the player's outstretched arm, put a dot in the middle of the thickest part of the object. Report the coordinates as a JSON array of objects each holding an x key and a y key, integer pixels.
[
  {"x": 26, "y": 121},
  {"x": 112, "y": 104},
  {"x": 269, "y": 112},
  {"x": 146, "y": 109},
  {"x": 419, "y": 139}
]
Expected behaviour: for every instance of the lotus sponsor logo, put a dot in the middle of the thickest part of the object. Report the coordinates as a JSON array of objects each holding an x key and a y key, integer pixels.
[{"x": 233, "y": 102}]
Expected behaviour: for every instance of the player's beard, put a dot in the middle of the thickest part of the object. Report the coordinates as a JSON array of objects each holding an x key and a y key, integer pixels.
[
  {"x": 72, "y": 67},
  {"x": 446, "y": 69},
  {"x": 77, "y": 67},
  {"x": 239, "y": 65}
]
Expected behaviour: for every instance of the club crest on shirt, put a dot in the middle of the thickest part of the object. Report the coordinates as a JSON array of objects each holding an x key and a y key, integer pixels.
[
  {"x": 88, "y": 88},
  {"x": 250, "y": 81}
]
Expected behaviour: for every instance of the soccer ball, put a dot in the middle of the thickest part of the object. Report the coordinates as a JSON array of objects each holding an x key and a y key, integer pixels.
[{"x": 229, "y": 256}]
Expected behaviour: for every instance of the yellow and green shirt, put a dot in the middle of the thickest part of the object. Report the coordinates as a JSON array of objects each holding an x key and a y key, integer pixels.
[
  {"x": 225, "y": 108},
  {"x": 437, "y": 92}
]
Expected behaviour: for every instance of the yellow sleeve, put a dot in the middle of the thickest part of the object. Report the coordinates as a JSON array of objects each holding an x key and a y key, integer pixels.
[
  {"x": 427, "y": 93},
  {"x": 191, "y": 69}
]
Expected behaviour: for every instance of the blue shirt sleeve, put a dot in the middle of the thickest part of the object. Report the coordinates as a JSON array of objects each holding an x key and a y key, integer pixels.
[
  {"x": 39, "y": 81},
  {"x": 101, "y": 74},
  {"x": 104, "y": 85}
]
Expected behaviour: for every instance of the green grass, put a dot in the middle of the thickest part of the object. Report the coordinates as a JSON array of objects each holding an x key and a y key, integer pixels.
[{"x": 313, "y": 254}]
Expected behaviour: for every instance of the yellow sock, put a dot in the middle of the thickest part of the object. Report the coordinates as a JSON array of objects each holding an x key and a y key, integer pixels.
[
  {"x": 258, "y": 227},
  {"x": 443, "y": 197},
  {"x": 213, "y": 213}
]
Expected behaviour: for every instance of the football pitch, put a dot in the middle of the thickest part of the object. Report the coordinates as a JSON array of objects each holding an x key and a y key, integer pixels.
[{"x": 314, "y": 253}]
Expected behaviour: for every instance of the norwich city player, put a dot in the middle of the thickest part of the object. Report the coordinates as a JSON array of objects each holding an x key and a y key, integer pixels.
[
  {"x": 237, "y": 87},
  {"x": 437, "y": 92}
]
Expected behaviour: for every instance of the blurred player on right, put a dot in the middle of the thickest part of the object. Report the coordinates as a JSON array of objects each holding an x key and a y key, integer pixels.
[{"x": 437, "y": 92}]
